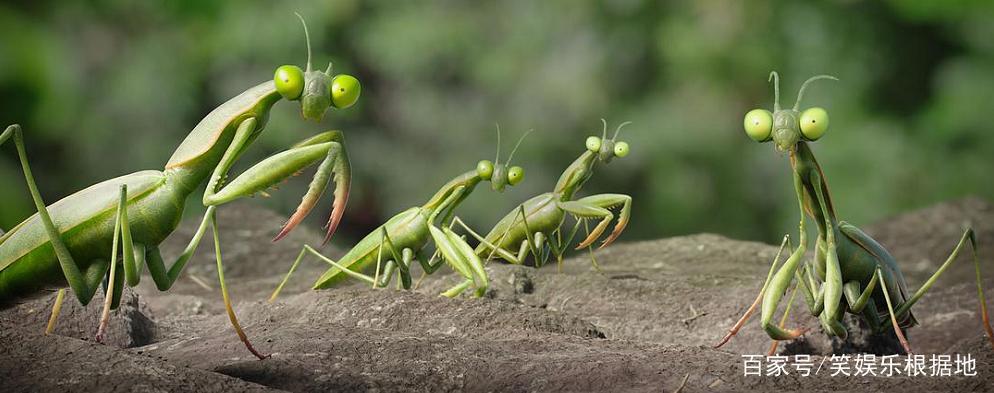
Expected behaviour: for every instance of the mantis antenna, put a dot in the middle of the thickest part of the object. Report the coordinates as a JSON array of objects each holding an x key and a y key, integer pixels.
[
  {"x": 620, "y": 126},
  {"x": 508, "y": 162},
  {"x": 800, "y": 93},
  {"x": 604, "y": 130},
  {"x": 307, "y": 37},
  {"x": 776, "y": 89}
]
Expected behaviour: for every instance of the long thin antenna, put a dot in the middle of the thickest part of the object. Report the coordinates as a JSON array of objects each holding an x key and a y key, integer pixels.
[
  {"x": 497, "y": 158},
  {"x": 776, "y": 89},
  {"x": 308, "y": 38},
  {"x": 800, "y": 93},
  {"x": 508, "y": 162},
  {"x": 620, "y": 126},
  {"x": 604, "y": 131}
]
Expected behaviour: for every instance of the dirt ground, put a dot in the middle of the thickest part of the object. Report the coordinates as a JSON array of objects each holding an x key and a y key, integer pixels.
[{"x": 645, "y": 322}]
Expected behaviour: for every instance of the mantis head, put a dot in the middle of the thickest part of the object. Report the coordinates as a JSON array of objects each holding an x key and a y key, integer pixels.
[
  {"x": 787, "y": 127},
  {"x": 500, "y": 174},
  {"x": 315, "y": 89},
  {"x": 607, "y": 149},
  {"x": 599, "y": 149}
]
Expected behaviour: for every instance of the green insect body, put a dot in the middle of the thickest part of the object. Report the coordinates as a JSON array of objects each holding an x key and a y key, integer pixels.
[
  {"x": 850, "y": 271},
  {"x": 72, "y": 240},
  {"x": 395, "y": 245},
  {"x": 531, "y": 227}
]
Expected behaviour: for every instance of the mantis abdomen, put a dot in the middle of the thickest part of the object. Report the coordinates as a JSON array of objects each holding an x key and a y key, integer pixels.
[
  {"x": 409, "y": 229},
  {"x": 85, "y": 220},
  {"x": 542, "y": 215}
]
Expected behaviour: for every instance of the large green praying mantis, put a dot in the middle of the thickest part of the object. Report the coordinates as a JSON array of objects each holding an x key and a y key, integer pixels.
[
  {"x": 402, "y": 239},
  {"x": 532, "y": 226},
  {"x": 75, "y": 240},
  {"x": 851, "y": 271}
]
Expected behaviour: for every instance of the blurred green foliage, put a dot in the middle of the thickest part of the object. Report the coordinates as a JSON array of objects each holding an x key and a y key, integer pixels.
[{"x": 109, "y": 87}]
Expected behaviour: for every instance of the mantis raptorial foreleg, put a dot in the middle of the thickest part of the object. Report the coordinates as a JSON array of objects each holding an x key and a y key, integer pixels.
[
  {"x": 830, "y": 317},
  {"x": 597, "y": 206},
  {"x": 457, "y": 253},
  {"x": 326, "y": 147}
]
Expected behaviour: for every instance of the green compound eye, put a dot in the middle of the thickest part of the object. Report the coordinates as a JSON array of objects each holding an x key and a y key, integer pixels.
[
  {"x": 758, "y": 124},
  {"x": 515, "y": 175},
  {"x": 594, "y": 144},
  {"x": 620, "y": 149},
  {"x": 289, "y": 81},
  {"x": 345, "y": 91},
  {"x": 485, "y": 169},
  {"x": 814, "y": 123}
]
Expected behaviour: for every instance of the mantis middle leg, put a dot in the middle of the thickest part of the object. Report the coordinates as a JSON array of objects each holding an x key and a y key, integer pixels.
[{"x": 527, "y": 245}]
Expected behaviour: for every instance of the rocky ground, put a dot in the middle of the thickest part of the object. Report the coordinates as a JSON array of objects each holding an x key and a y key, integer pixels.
[{"x": 645, "y": 322}]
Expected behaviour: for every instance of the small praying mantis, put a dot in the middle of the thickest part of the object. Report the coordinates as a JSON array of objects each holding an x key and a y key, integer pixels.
[
  {"x": 402, "y": 239},
  {"x": 530, "y": 227},
  {"x": 75, "y": 240},
  {"x": 851, "y": 271}
]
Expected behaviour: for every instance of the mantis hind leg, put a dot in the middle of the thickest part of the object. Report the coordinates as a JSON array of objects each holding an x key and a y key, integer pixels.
[
  {"x": 84, "y": 285},
  {"x": 93, "y": 275},
  {"x": 968, "y": 235}
]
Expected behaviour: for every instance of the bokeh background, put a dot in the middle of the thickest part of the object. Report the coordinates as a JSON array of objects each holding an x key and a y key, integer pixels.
[{"x": 109, "y": 87}]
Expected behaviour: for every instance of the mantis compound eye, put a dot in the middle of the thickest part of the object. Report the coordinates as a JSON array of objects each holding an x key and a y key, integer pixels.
[
  {"x": 814, "y": 123},
  {"x": 515, "y": 175},
  {"x": 485, "y": 169},
  {"x": 345, "y": 91},
  {"x": 594, "y": 144},
  {"x": 621, "y": 149},
  {"x": 289, "y": 81},
  {"x": 759, "y": 124}
]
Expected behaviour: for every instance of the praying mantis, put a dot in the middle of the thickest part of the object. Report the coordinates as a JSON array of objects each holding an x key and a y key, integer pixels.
[
  {"x": 403, "y": 237},
  {"x": 851, "y": 272},
  {"x": 75, "y": 241},
  {"x": 528, "y": 227}
]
